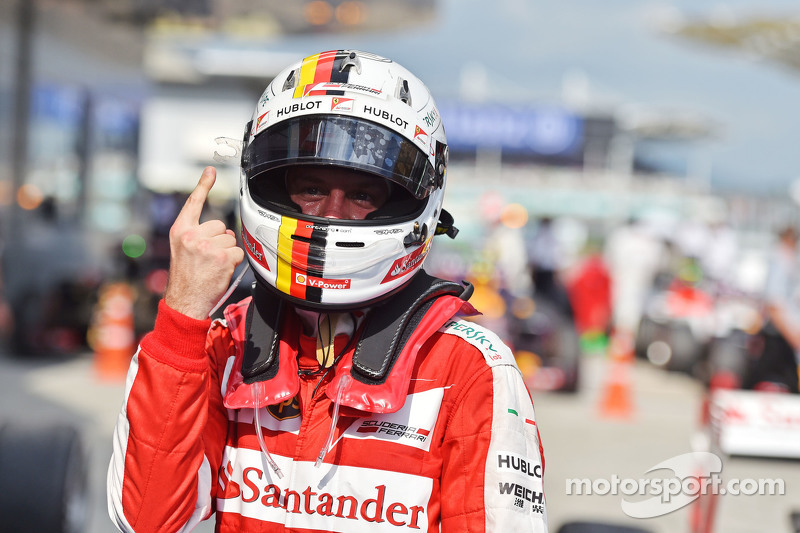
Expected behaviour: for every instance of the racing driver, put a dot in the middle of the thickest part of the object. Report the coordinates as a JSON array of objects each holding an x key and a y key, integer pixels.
[{"x": 348, "y": 393}]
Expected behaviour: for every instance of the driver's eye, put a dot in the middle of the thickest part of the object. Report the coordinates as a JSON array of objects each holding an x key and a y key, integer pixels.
[
  {"x": 362, "y": 196},
  {"x": 305, "y": 187}
]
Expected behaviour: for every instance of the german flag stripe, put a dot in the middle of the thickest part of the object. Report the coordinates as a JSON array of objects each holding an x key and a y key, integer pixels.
[
  {"x": 338, "y": 75},
  {"x": 307, "y": 70},
  {"x": 316, "y": 262},
  {"x": 313, "y": 294},
  {"x": 284, "y": 276},
  {"x": 304, "y": 242},
  {"x": 322, "y": 73},
  {"x": 316, "y": 259},
  {"x": 304, "y": 229},
  {"x": 322, "y": 68},
  {"x": 299, "y": 257}
]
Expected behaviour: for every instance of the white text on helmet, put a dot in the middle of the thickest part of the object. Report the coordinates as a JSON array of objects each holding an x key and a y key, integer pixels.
[
  {"x": 322, "y": 283},
  {"x": 323, "y": 88},
  {"x": 329, "y": 283}
]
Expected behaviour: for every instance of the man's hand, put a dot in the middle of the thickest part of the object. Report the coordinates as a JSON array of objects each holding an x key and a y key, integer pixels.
[{"x": 203, "y": 256}]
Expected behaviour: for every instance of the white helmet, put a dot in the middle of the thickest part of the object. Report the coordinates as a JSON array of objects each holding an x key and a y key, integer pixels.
[{"x": 358, "y": 111}]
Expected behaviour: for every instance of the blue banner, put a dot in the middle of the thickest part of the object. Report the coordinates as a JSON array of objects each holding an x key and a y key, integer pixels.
[{"x": 549, "y": 131}]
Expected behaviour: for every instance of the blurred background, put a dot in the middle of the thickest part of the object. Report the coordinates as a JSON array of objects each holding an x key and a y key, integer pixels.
[{"x": 622, "y": 174}]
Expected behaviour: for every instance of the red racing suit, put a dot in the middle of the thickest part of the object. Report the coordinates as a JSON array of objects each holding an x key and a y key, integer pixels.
[{"x": 463, "y": 453}]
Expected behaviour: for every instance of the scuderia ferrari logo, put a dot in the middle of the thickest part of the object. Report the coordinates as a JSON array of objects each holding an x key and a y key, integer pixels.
[
  {"x": 395, "y": 430},
  {"x": 413, "y": 425}
]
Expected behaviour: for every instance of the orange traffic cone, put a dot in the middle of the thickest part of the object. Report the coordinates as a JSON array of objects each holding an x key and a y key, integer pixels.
[
  {"x": 112, "y": 334},
  {"x": 616, "y": 401}
]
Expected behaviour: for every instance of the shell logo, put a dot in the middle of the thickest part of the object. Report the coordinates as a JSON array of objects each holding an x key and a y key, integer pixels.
[{"x": 300, "y": 278}]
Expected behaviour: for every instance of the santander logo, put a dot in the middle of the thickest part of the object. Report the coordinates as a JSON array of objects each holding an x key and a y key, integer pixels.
[
  {"x": 407, "y": 263},
  {"x": 254, "y": 248}
]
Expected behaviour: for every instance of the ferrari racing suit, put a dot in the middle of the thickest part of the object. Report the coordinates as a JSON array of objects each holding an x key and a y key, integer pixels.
[{"x": 462, "y": 454}]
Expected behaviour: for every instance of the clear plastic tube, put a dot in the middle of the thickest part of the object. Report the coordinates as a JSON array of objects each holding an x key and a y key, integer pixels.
[
  {"x": 328, "y": 443},
  {"x": 260, "y": 435}
]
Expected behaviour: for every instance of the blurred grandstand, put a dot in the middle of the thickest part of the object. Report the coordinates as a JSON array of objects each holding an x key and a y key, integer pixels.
[{"x": 760, "y": 36}]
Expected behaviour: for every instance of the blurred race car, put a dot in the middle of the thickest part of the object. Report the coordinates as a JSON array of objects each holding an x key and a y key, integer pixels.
[
  {"x": 685, "y": 322},
  {"x": 542, "y": 336},
  {"x": 676, "y": 326},
  {"x": 546, "y": 344},
  {"x": 748, "y": 410},
  {"x": 752, "y": 406},
  {"x": 755, "y": 423}
]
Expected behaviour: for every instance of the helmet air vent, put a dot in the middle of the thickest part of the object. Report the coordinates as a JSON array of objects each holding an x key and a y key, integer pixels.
[
  {"x": 291, "y": 81},
  {"x": 351, "y": 61},
  {"x": 402, "y": 91}
]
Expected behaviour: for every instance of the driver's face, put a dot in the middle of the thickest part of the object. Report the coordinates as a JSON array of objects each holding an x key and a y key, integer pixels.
[{"x": 333, "y": 192}]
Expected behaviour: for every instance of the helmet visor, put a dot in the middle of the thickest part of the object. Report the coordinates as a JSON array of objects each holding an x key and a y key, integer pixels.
[{"x": 344, "y": 142}]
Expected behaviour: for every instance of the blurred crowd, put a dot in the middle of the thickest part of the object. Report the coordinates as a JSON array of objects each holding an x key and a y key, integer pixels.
[{"x": 693, "y": 294}]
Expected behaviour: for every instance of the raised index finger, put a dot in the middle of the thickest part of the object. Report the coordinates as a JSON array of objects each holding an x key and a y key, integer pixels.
[{"x": 192, "y": 209}]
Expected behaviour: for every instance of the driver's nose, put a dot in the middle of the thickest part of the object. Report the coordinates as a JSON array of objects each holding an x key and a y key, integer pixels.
[{"x": 334, "y": 205}]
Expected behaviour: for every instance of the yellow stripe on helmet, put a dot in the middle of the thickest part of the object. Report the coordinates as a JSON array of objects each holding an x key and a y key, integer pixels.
[
  {"x": 284, "y": 271},
  {"x": 307, "y": 71}
]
